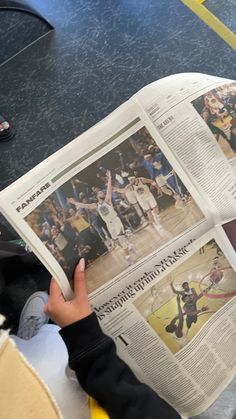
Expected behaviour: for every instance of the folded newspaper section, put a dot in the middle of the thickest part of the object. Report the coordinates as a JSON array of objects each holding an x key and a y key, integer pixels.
[
  {"x": 138, "y": 196},
  {"x": 174, "y": 321}
]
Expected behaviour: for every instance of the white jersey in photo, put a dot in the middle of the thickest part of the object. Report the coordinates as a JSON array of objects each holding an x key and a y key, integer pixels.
[
  {"x": 144, "y": 197},
  {"x": 131, "y": 196},
  {"x": 110, "y": 217},
  {"x": 160, "y": 180}
]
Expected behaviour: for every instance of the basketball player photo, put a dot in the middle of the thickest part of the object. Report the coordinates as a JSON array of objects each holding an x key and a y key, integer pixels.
[
  {"x": 116, "y": 211},
  {"x": 179, "y": 305},
  {"x": 218, "y": 109}
]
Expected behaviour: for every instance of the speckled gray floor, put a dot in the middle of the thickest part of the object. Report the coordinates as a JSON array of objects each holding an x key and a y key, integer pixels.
[
  {"x": 100, "y": 53},
  {"x": 17, "y": 31},
  {"x": 224, "y": 10}
]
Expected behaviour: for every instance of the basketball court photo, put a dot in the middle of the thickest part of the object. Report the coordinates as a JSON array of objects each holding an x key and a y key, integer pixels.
[
  {"x": 116, "y": 211},
  {"x": 180, "y": 304},
  {"x": 218, "y": 109}
]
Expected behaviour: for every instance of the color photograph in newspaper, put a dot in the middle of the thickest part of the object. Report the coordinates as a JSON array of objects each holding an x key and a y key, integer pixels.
[
  {"x": 180, "y": 304},
  {"x": 116, "y": 211},
  {"x": 218, "y": 109}
]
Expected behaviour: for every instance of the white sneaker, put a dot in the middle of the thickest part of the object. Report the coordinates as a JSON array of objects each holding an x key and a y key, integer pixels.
[
  {"x": 132, "y": 250},
  {"x": 32, "y": 315},
  {"x": 129, "y": 260}
]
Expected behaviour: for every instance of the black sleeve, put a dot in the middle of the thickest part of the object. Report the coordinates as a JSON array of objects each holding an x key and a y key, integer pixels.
[{"x": 104, "y": 376}]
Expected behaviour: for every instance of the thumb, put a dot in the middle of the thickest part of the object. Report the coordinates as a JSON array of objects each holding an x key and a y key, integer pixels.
[
  {"x": 55, "y": 293},
  {"x": 55, "y": 297}
]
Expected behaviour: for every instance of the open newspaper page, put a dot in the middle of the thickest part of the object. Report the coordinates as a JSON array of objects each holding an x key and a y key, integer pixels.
[
  {"x": 117, "y": 197},
  {"x": 102, "y": 198},
  {"x": 174, "y": 321},
  {"x": 195, "y": 115}
]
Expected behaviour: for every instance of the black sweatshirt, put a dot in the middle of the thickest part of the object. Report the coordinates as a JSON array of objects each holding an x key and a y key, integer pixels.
[{"x": 105, "y": 377}]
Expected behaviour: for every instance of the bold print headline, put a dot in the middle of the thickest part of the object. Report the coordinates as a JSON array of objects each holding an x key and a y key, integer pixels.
[{"x": 141, "y": 283}]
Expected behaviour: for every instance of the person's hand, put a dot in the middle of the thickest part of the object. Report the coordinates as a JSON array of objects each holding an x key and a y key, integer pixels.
[
  {"x": 70, "y": 200},
  {"x": 67, "y": 312}
]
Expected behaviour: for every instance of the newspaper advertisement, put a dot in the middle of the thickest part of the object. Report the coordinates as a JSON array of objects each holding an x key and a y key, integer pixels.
[
  {"x": 174, "y": 322},
  {"x": 196, "y": 119}
]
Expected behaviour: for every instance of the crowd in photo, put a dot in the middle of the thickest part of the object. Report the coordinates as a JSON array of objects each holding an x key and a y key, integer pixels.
[
  {"x": 103, "y": 206},
  {"x": 218, "y": 109}
]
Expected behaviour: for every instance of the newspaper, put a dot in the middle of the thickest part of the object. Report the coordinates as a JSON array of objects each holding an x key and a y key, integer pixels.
[
  {"x": 142, "y": 196},
  {"x": 175, "y": 322}
]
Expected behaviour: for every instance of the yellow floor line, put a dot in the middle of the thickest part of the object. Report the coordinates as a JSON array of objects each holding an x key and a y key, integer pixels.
[{"x": 212, "y": 21}]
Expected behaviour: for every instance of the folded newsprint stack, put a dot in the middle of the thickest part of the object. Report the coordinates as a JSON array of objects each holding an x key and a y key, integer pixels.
[{"x": 142, "y": 196}]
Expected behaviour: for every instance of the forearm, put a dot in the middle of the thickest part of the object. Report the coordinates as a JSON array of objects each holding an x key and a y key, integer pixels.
[
  {"x": 149, "y": 181},
  {"x": 120, "y": 190},
  {"x": 174, "y": 290},
  {"x": 78, "y": 205},
  {"x": 107, "y": 378}
]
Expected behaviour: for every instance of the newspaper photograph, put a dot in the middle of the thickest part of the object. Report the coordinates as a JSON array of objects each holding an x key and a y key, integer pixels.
[
  {"x": 230, "y": 230},
  {"x": 189, "y": 137},
  {"x": 217, "y": 107},
  {"x": 180, "y": 304},
  {"x": 116, "y": 211}
]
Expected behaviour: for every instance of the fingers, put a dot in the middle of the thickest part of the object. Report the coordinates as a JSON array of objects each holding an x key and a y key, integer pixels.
[
  {"x": 55, "y": 297},
  {"x": 65, "y": 312},
  {"x": 79, "y": 279},
  {"x": 80, "y": 282},
  {"x": 55, "y": 291},
  {"x": 81, "y": 295}
]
